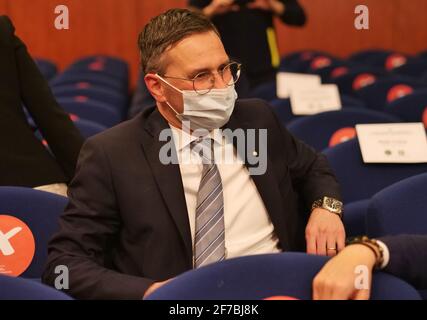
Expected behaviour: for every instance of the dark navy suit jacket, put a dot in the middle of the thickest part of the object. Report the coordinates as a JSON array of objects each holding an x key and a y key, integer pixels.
[{"x": 408, "y": 258}]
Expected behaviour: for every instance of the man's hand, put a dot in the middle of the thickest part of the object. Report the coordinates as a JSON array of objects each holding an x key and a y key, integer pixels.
[
  {"x": 336, "y": 280},
  {"x": 154, "y": 287},
  {"x": 217, "y": 7},
  {"x": 275, "y": 6},
  {"x": 325, "y": 233}
]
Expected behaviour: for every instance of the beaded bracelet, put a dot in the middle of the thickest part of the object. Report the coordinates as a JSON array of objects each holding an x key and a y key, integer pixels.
[{"x": 371, "y": 244}]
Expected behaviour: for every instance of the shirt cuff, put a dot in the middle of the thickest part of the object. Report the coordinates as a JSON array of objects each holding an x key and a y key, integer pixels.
[{"x": 386, "y": 254}]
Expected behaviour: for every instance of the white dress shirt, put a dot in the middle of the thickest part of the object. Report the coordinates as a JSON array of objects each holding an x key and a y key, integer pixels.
[{"x": 248, "y": 228}]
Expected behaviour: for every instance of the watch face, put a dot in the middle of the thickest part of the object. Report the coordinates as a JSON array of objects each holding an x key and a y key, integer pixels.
[{"x": 332, "y": 204}]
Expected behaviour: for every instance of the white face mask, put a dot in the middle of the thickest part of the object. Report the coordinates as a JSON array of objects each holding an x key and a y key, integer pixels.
[{"x": 208, "y": 111}]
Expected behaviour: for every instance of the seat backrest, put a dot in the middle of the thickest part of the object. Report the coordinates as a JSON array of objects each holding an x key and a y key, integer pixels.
[
  {"x": 409, "y": 108},
  {"x": 356, "y": 78},
  {"x": 114, "y": 66},
  {"x": 359, "y": 180},
  {"x": 89, "y": 128},
  {"x": 40, "y": 211},
  {"x": 104, "y": 59},
  {"x": 384, "y": 91},
  {"x": 413, "y": 68},
  {"x": 47, "y": 68},
  {"x": 352, "y": 102},
  {"x": 95, "y": 111},
  {"x": 282, "y": 109},
  {"x": 96, "y": 93},
  {"x": 369, "y": 55},
  {"x": 262, "y": 276},
  {"x": 266, "y": 91},
  {"x": 321, "y": 130},
  {"x": 399, "y": 208},
  {"x": 26, "y": 289},
  {"x": 90, "y": 77}
]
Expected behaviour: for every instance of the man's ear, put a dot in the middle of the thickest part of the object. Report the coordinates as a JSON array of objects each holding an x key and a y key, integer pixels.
[{"x": 154, "y": 85}]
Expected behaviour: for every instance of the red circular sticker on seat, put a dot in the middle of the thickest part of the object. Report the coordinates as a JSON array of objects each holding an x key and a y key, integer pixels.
[
  {"x": 306, "y": 56},
  {"x": 320, "y": 62},
  {"x": 394, "y": 61},
  {"x": 17, "y": 246},
  {"x": 339, "y": 71},
  {"x": 398, "y": 91},
  {"x": 83, "y": 85},
  {"x": 425, "y": 117},
  {"x": 342, "y": 135},
  {"x": 280, "y": 298},
  {"x": 363, "y": 80},
  {"x": 73, "y": 117},
  {"x": 96, "y": 66},
  {"x": 81, "y": 98}
]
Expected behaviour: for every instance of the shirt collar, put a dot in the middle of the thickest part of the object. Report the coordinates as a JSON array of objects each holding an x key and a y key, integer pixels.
[{"x": 182, "y": 138}]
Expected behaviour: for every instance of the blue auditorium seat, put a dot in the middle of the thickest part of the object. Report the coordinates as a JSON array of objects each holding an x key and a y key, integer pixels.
[
  {"x": 91, "y": 78},
  {"x": 26, "y": 289},
  {"x": 266, "y": 91},
  {"x": 282, "y": 108},
  {"x": 355, "y": 217},
  {"x": 413, "y": 68},
  {"x": 384, "y": 91},
  {"x": 101, "y": 94},
  {"x": 89, "y": 128},
  {"x": 110, "y": 64},
  {"x": 369, "y": 56},
  {"x": 410, "y": 108},
  {"x": 317, "y": 130},
  {"x": 399, "y": 208},
  {"x": 359, "y": 180},
  {"x": 95, "y": 111},
  {"x": 291, "y": 62},
  {"x": 47, "y": 68},
  {"x": 263, "y": 276},
  {"x": 356, "y": 78},
  {"x": 40, "y": 211}
]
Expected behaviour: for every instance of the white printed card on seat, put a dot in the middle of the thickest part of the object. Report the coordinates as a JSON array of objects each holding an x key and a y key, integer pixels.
[
  {"x": 308, "y": 101},
  {"x": 393, "y": 142}
]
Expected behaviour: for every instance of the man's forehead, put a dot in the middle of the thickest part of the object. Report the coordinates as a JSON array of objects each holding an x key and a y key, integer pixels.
[{"x": 197, "y": 51}]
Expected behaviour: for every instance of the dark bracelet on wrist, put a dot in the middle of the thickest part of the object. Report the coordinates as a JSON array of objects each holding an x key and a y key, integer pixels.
[{"x": 371, "y": 244}]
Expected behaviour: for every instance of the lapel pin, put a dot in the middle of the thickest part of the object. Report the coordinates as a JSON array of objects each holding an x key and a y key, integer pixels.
[{"x": 254, "y": 153}]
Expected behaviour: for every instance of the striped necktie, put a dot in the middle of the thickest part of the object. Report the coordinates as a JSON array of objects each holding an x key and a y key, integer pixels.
[{"x": 209, "y": 244}]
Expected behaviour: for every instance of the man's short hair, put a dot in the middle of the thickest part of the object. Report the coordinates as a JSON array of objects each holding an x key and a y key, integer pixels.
[{"x": 165, "y": 30}]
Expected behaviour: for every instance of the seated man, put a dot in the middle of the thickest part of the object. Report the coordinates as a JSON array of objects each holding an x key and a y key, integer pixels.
[
  {"x": 404, "y": 256},
  {"x": 135, "y": 220}
]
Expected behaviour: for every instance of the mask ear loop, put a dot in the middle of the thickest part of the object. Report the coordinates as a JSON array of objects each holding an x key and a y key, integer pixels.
[
  {"x": 179, "y": 116},
  {"x": 169, "y": 84},
  {"x": 173, "y": 87}
]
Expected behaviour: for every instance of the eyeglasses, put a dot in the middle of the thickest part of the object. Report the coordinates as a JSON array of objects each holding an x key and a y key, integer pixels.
[{"x": 205, "y": 81}]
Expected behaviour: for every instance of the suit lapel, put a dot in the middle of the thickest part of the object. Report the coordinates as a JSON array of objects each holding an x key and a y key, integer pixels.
[{"x": 168, "y": 178}]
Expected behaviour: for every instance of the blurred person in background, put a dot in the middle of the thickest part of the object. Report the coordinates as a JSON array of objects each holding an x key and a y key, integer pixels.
[
  {"x": 24, "y": 160},
  {"x": 247, "y": 31}
]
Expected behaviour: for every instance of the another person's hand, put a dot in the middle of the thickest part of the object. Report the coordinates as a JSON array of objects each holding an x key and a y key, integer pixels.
[
  {"x": 337, "y": 279},
  {"x": 217, "y": 7},
  {"x": 154, "y": 287},
  {"x": 275, "y": 6},
  {"x": 325, "y": 233}
]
